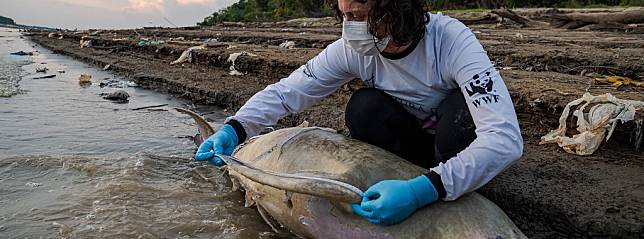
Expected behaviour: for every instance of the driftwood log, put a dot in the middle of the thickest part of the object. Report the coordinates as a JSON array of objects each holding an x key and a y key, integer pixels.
[
  {"x": 509, "y": 14},
  {"x": 602, "y": 20},
  {"x": 487, "y": 19}
]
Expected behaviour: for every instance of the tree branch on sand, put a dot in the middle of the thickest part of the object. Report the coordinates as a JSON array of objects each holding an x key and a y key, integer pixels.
[{"x": 610, "y": 20}]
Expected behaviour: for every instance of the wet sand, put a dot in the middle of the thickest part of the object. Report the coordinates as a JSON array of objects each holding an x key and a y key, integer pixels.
[{"x": 549, "y": 193}]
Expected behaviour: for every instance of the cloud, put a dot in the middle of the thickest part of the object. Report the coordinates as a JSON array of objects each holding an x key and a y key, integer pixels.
[
  {"x": 146, "y": 5},
  {"x": 91, "y": 3},
  {"x": 199, "y": 2}
]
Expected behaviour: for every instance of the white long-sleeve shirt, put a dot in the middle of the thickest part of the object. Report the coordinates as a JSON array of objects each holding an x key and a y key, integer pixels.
[{"x": 448, "y": 57}]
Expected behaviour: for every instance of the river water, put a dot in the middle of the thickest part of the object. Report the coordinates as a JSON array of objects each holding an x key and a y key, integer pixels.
[{"x": 73, "y": 165}]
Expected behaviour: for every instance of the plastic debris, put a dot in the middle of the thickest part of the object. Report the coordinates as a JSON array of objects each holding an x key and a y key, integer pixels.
[
  {"x": 232, "y": 58},
  {"x": 287, "y": 44},
  {"x": 22, "y": 53},
  {"x": 210, "y": 42},
  {"x": 187, "y": 55},
  {"x": 594, "y": 125},
  {"x": 33, "y": 185},
  {"x": 85, "y": 79},
  {"x": 119, "y": 96},
  {"x": 107, "y": 67},
  {"x": 55, "y": 35},
  {"x": 113, "y": 83},
  {"x": 60, "y": 71},
  {"x": 84, "y": 43},
  {"x": 619, "y": 81},
  {"x": 42, "y": 69},
  {"x": 44, "y": 77},
  {"x": 149, "y": 42}
]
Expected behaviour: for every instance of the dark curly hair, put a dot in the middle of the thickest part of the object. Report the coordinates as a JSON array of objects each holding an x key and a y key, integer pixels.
[{"x": 403, "y": 20}]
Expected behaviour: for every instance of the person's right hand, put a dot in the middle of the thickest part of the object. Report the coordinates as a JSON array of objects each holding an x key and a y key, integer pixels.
[{"x": 223, "y": 142}]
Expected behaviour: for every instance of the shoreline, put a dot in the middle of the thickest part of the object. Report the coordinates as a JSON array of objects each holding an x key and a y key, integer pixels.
[{"x": 548, "y": 193}]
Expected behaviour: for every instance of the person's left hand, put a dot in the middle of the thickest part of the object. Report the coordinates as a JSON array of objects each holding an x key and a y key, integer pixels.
[{"x": 392, "y": 201}]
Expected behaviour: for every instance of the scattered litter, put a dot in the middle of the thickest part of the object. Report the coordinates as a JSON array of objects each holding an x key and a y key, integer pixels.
[
  {"x": 44, "y": 77},
  {"x": 22, "y": 53},
  {"x": 232, "y": 58},
  {"x": 32, "y": 184},
  {"x": 94, "y": 33},
  {"x": 107, "y": 67},
  {"x": 619, "y": 81},
  {"x": 117, "y": 83},
  {"x": 187, "y": 55},
  {"x": 151, "y": 106},
  {"x": 519, "y": 35},
  {"x": 60, "y": 71},
  {"x": 119, "y": 96},
  {"x": 149, "y": 42},
  {"x": 41, "y": 69},
  {"x": 288, "y": 44},
  {"x": 602, "y": 118},
  {"x": 85, "y": 79},
  {"x": 231, "y": 47},
  {"x": 84, "y": 43},
  {"x": 210, "y": 42},
  {"x": 177, "y": 39},
  {"x": 55, "y": 35}
]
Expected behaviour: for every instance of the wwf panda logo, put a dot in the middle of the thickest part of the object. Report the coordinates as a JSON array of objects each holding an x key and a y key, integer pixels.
[{"x": 480, "y": 85}]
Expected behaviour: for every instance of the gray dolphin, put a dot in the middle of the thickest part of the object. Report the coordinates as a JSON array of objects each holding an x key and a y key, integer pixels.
[{"x": 303, "y": 179}]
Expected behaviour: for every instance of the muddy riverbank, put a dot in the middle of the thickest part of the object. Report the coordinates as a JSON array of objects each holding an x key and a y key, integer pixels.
[{"x": 549, "y": 193}]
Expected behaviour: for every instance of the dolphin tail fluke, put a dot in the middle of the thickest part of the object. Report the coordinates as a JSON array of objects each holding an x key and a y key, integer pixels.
[{"x": 205, "y": 130}]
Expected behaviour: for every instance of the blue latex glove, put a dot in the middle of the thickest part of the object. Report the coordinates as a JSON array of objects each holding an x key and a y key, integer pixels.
[
  {"x": 392, "y": 201},
  {"x": 223, "y": 142}
]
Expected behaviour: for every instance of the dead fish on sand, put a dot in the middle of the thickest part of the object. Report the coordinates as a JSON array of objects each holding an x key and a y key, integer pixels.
[{"x": 303, "y": 179}]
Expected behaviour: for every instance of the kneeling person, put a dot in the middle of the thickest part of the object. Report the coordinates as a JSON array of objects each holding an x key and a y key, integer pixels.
[{"x": 433, "y": 98}]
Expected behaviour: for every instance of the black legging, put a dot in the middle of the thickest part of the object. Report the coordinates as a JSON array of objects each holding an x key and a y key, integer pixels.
[{"x": 374, "y": 117}]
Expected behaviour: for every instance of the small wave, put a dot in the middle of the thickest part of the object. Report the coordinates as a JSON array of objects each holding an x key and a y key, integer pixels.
[
  {"x": 9, "y": 79},
  {"x": 142, "y": 195}
]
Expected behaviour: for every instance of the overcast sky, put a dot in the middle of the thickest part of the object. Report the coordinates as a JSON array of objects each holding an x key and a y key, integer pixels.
[{"x": 84, "y": 14}]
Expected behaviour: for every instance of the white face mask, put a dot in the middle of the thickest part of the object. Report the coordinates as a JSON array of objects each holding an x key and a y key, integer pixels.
[{"x": 356, "y": 35}]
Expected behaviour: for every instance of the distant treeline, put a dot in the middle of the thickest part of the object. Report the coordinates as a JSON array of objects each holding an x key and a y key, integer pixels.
[
  {"x": 277, "y": 10},
  {"x": 269, "y": 10},
  {"x": 491, "y": 4},
  {"x": 7, "y": 21}
]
